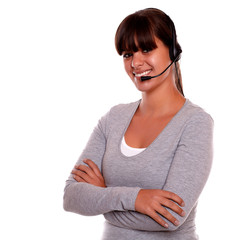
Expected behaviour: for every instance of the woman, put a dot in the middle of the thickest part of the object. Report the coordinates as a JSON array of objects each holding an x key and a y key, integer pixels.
[{"x": 146, "y": 162}]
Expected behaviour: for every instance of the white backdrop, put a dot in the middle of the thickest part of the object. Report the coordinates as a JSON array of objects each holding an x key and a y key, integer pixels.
[{"x": 59, "y": 73}]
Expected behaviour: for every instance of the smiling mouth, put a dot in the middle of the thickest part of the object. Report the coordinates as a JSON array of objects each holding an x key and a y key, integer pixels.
[{"x": 141, "y": 74}]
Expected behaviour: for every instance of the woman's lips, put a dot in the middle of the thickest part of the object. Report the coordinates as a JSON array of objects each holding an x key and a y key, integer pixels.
[{"x": 141, "y": 73}]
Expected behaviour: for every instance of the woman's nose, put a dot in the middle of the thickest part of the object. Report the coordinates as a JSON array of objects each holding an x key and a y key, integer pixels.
[{"x": 137, "y": 59}]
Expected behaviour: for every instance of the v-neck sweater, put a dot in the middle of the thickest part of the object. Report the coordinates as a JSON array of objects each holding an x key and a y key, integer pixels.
[{"x": 178, "y": 160}]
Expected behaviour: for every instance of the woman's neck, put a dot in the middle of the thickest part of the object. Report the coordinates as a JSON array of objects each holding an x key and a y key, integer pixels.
[{"x": 159, "y": 103}]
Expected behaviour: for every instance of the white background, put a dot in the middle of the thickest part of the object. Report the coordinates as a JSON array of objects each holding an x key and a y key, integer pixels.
[{"x": 60, "y": 73}]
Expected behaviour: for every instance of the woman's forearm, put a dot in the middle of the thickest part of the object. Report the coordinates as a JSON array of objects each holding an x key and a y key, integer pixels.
[{"x": 87, "y": 199}]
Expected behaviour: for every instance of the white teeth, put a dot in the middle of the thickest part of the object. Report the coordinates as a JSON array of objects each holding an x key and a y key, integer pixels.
[{"x": 142, "y": 74}]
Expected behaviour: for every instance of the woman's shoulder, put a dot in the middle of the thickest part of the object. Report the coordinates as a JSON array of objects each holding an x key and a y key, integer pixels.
[
  {"x": 125, "y": 107},
  {"x": 193, "y": 111},
  {"x": 120, "y": 113}
]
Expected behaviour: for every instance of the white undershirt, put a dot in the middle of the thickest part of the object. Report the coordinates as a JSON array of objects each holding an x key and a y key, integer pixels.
[{"x": 129, "y": 151}]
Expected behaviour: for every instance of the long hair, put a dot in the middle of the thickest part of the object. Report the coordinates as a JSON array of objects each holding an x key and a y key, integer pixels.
[{"x": 138, "y": 31}]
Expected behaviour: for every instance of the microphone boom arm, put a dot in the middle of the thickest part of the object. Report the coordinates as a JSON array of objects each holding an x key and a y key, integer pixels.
[{"x": 144, "y": 78}]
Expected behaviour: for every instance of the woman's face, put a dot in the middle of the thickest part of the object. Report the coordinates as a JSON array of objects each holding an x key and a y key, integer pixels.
[{"x": 148, "y": 63}]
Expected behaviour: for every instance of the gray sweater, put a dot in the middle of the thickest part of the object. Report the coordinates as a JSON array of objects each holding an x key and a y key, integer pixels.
[{"x": 178, "y": 160}]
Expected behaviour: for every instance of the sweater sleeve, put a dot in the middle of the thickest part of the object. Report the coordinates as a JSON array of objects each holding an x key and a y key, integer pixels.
[
  {"x": 187, "y": 175},
  {"x": 87, "y": 199}
]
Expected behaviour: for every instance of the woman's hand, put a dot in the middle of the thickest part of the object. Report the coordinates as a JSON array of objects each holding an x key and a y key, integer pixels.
[
  {"x": 152, "y": 201},
  {"x": 89, "y": 174}
]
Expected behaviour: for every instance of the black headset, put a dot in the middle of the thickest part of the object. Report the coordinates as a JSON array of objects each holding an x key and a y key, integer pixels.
[
  {"x": 175, "y": 53},
  {"x": 173, "y": 50}
]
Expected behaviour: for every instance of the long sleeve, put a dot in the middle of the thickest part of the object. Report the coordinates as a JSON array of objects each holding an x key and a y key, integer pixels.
[
  {"x": 187, "y": 175},
  {"x": 86, "y": 199}
]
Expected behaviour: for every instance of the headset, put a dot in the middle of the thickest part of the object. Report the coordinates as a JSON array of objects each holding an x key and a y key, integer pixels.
[
  {"x": 175, "y": 53},
  {"x": 173, "y": 50}
]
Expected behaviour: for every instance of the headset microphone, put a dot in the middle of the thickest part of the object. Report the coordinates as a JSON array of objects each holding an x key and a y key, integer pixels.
[
  {"x": 175, "y": 52},
  {"x": 144, "y": 78}
]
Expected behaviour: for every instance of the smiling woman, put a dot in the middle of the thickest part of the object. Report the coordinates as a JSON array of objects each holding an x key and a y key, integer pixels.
[
  {"x": 150, "y": 62},
  {"x": 145, "y": 34},
  {"x": 147, "y": 162}
]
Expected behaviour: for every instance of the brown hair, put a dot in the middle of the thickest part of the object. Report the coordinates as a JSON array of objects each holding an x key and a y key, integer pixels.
[{"x": 137, "y": 31}]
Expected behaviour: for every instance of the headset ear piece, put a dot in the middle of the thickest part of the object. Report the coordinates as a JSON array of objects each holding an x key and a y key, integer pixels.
[
  {"x": 177, "y": 55},
  {"x": 171, "y": 52},
  {"x": 174, "y": 54},
  {"x": 174, "y": 51}
]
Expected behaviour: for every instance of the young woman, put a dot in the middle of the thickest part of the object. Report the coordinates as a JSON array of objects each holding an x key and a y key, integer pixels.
[{"x": 146, "y": 162}]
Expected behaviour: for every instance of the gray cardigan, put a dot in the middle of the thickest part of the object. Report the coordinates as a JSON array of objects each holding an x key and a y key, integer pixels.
[{"x": 178, "y": 160}]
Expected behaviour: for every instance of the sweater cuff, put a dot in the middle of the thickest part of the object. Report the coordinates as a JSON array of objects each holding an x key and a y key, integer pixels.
[{"x": 127, "y": 197}]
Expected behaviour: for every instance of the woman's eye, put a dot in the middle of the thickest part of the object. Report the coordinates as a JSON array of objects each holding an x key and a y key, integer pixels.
[{"x": 127, "y": 55}]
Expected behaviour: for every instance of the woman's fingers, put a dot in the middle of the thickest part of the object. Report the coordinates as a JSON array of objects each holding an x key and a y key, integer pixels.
[
  {"x": 94, "y": 167},
  {"x": 162, "y": 211},
  {"x": 84, "y": 172},
  {"x": 155, "y": 203},
  {"x": 154, "y": 215},
  {"x": 173, "y": 196},
  {"x": 172, "y": 205},
  {"x": 78, "y": 179},
  {"x": 89, "y": 174},
  {"x": 85, "y": 169}
]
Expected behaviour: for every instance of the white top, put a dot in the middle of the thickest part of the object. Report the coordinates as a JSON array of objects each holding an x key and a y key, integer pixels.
[{"x": 129, "y": 151}]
